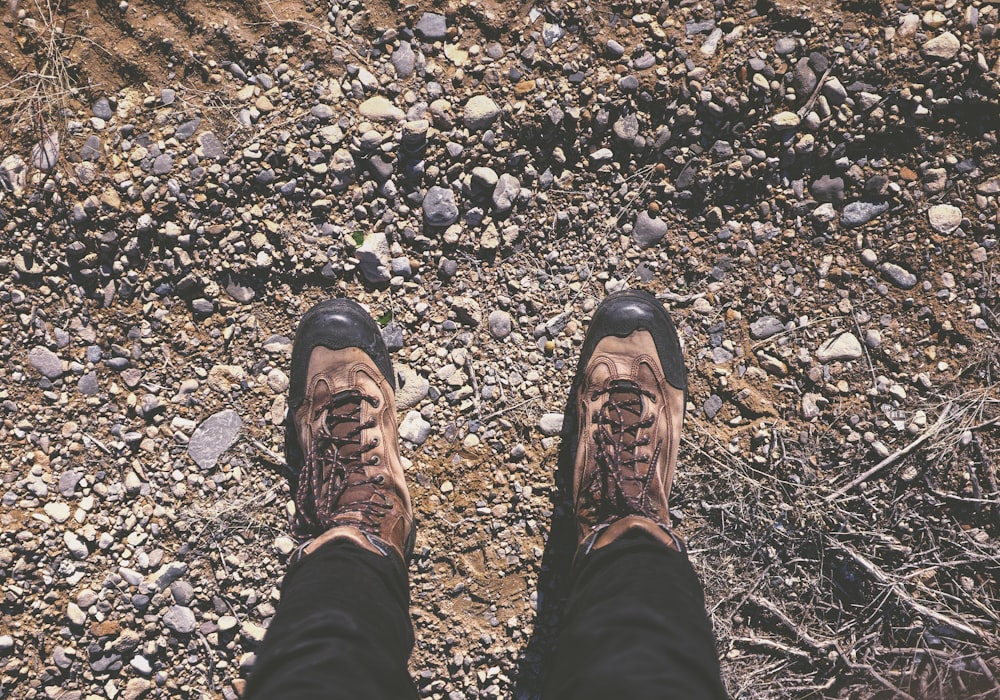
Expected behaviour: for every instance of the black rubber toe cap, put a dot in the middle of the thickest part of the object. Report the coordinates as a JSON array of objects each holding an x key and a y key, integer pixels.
[
  {"x": 622, "y": 313},
  {"x": 335, "y": 324}
]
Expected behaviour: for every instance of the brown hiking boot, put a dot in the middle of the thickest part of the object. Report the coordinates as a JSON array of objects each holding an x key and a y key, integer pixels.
[
  {"x": 341, "y": 438},
  {"x": 629, "y": 396}
]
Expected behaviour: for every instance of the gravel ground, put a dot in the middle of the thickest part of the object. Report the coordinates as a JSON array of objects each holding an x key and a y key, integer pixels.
[{"x": 812, "y": 190}]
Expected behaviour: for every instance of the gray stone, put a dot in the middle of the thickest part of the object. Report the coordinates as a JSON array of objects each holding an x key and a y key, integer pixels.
[
  {"x": 167, "y": 96},
  {"x": 411, "y": 387},
  {"x": 841, "y": 347},
  {"x": 614, "y": 49},
  {"x": 551, "y": 424},
  {"x": 162, "y": 164},
  {"x": 499, "y": 323},
  {"x": 480, "y": 113},
  {"x": 834, "y": 91},
  {"x": 45, "y": 362},
  {"x": 187, "y": 129},
  {"x": 211, "y": 146},
  {"x": 102, "y": 109},
  {"x": 626, "y": 128},
  {"x": 484, "y": 178},
  {"x": 166, "y": 575},
  {"x": 712, "y": 406},
  {"x": 990, "y": 186},
  {"x": 860, "y": 213},
  {"x": 828, "y": 189},
  {"x": 414, "y": 428},
  {"x": 439, "y": 207},
  {"x": 506, "y": 191},
  {"x": 551, "y": 33},
  {"x": 381, "y": 109},
  {"x": 944, "y": 218},
  {"x": 804, "y": 79},
  {"x": 180, "y": 619},
  {"x": 182, "y": 592},
  {"x": 648, "y": 231},
  {"x": 67, "y": 483},
  {"x": 238, "y": 291},
  {"x": 432, "y": 26},
  {"x": 899, "y": 276},
  {"x": 91, "y": 149},
  {"x": 941, "y": 48},
  {"x": 213, "y": 437},
  {"x": 75, "y": 614},
  {"x": 77, "y": 548},
  {"x": 45, "y": 153},
  {"x": 374, "y": 258},
  {"x": 810, "y": 407},
  {"x": 785, "y": 45},
  {"x": 404, "y": 60},
  {"x": 322, "y": 111},
  {"x": 765, "y": 327},
  {"x": 392, "y": 336}
]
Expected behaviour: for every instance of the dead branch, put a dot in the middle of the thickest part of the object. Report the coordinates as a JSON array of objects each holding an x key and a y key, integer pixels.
[
  {"x": 898, "y": 592},
  {"x": 895, "y": 456}
]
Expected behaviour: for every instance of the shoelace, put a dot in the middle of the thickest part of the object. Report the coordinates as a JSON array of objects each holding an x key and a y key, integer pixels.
[
  {"x": 618, "y": 419},
  {"x": 337, "y": 458}
]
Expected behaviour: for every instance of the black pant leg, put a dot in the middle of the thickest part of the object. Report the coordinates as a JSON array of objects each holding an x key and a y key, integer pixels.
[
  {"x": 342, "y": 630},
  {"x": 635, "y": 627}
]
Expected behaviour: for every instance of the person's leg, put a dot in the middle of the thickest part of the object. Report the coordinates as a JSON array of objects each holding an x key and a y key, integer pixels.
[
  {"x": 635, "y": 627},
  {"x": 342, "y": 629},
  {"x": 635, "y": 623}
]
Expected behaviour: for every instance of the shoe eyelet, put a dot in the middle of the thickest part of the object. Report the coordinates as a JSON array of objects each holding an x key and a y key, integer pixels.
[
  {"x": 375, "y": 460},
  {"x": 375, "y": 441},
  {"x": 376, "y": 401},
  {"x": 380, "y": 479}
]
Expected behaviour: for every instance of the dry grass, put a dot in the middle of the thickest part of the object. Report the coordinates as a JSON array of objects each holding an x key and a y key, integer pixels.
[{"x": 888, "y": 590}]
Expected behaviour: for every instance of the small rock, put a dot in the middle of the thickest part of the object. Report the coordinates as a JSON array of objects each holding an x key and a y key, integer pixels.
[
  {"x": 506, "y": 191},
  {"x": 500, "y": 324},
  {"x": 380, "y": 109},
  {"x": 480, "y": 113},
  {"x": 860, "y": 213},
  {"x": 211, "y": 146},
  {"x": 102, "y": 109},
  {"x": 414, "y": 428},
  {"x": 828, "y": 189},
  {"x": 76, "y": 546},
  {"x": 712, "y": 406},
  {"x": 45, "y": 362},
  {"x": 842, "y": 347},
  {"x": 213, "y": 437},
  {"x": 75, "y": 614},
  {"x": 648, "y": 231},
  {"x": 990, "y": 186},
  {"x": 439, "y": 207},
  {"x": 810, "y": 408},
  {"x": 784, "y": 121},
  {"x": 432, "y": 26},
  {"x": 899, "y": 276},
  {"x": 411, "y": 387},
  {"x": 551, "y": 424},
  {"x": 180, "y": 619},
  {"x": 944, "y": 218},
  {"x": 404, "y": 60},
  {"x": 942, "y": 48},
  {"x": 765, "y": 327},
  {"x": 59, "y": 512}
]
